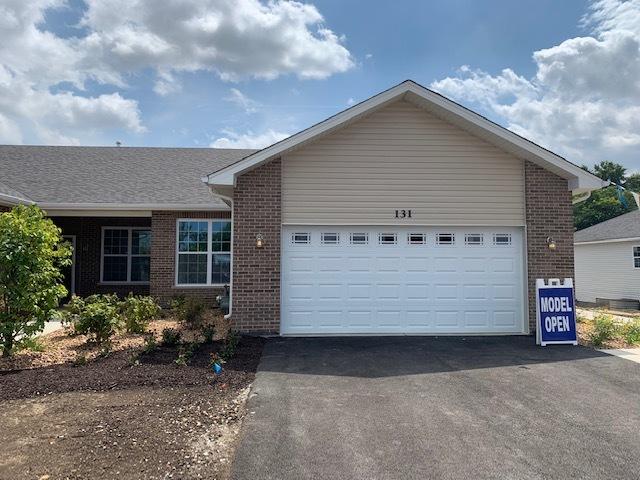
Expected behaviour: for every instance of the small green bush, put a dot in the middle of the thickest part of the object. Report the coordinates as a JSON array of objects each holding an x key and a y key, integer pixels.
[
  {"x": 631, "y": 332},
  {"x": 138, "y": 311},
  {"x": 33, "y": 344},
  {"x": 184, "y": 354},
  {"x": 170, "y": 337},
  {"x": 230, "y": 346},
  {"x": 604, "y": 328},
  {"x": 150, "y": 344},
  {"x": 99, "y": 318},
  {"x": 190, "y": 312}
]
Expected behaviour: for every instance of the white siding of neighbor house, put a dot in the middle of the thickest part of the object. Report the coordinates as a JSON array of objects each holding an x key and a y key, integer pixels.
[
  {"x": 605, "y": 270},
  {"x": 402, "y": 157}
]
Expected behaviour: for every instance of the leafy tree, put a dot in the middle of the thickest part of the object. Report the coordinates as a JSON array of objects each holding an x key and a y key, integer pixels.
[
  {"x": 614, "y": 172},
  {"x": 633, "y": 183},
  {"x": 602, "y": 205},
  {"x": 32, "y": 253}
]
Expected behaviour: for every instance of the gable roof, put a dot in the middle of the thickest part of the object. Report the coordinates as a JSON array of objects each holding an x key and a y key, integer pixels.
[
  {"x": 622, "y": 227},
  {"x": 125, "y": 178},
  {"x": 579, "y": 180}
]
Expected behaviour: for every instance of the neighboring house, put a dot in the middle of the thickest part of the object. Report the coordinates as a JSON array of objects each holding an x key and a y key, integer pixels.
[
  {"x": 608, "y": 259},
  {"x": 404, "y": 214}
]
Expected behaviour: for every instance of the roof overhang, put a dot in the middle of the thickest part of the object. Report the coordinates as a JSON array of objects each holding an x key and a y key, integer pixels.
[
  {"x": 223, "y": 181},
  {"x": 11, "y": 201},
  {"x": 608, "y": 240}
]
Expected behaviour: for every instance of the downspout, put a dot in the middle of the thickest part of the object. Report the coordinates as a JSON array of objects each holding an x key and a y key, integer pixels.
[{"x": 229, "y": 200}]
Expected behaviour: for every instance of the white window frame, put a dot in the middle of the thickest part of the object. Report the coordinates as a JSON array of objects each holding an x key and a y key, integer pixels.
[
  {"x": 129, "y": 256},
  {"x": 295, "y": 234},
  {"x": 387, "y": 234},
  {"x": 469, "y": 242},
  {"x": 635, "y": 257},
  {"x": 502, "y": 244},
  {"x": 209, "y": 253},
  {"x": 324, "y": 241},
  {"x": 423, "y": 238},
  {"x": 442, "y": 243},
  {"x": 365, "y": 240}
]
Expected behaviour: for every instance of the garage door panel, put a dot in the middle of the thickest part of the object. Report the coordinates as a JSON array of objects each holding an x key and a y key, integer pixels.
[{"x": 422, "y": 288}]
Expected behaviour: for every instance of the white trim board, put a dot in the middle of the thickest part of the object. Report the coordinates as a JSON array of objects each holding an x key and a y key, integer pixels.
[
  {"x": 579, "y": 180},
  {"x": 612, "y": 240}
]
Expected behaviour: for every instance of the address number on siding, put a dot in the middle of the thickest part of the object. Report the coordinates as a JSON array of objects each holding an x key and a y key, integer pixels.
[{"x": 403, "y": 213}]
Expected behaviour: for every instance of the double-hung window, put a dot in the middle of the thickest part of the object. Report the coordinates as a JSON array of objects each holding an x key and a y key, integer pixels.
[
  {"x": 126, "y": 255},
  {"x": 203, "y": 252}
]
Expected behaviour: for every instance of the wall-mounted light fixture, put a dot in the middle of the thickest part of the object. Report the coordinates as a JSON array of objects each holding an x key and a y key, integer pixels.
[
  {"x": 551, "y": 243},
  {"x": 259, "y": 241}
]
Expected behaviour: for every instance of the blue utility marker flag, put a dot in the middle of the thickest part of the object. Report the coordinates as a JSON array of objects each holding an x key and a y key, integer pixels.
[{"x": 217, "y": 368}]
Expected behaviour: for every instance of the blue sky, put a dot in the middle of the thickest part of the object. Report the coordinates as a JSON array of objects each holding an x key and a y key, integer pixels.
[{"x": 104, "y": 70}]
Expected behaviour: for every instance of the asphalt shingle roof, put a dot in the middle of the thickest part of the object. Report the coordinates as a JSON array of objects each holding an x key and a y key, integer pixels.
[
  {"x": 112, "y": 175},
  {"x": 623, "y": 226}
]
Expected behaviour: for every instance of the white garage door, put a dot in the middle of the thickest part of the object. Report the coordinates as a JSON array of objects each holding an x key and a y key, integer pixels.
[{"x": 397, "y": 280}]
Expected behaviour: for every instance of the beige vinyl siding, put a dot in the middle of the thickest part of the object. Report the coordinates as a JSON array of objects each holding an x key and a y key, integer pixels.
[
  {"x": 605, "y": 270},
  {"x": 401, "y": 157}
]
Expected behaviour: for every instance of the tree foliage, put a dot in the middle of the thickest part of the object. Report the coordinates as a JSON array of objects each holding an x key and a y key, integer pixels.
[
  {"x": 605, "y": 204},
  {"x": 32, "y": 253}
]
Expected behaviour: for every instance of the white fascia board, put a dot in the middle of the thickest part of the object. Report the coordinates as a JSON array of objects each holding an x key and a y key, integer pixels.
[
  {"x": 579, "y": 180},
  {"x": 132, "y": 207},
  {"x": 611, "y": 240}
]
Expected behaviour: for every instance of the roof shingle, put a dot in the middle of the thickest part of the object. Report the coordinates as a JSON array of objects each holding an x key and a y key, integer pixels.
[
  {"x": 112, "y": 175},
  {"x": 623, "y": 226}
]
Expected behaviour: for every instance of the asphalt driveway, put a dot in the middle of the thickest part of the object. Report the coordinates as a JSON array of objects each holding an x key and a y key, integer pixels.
[{"x": 430, "y": 408}]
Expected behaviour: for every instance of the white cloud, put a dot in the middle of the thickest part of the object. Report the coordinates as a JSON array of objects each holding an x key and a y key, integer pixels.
[
  {"x": 122, "y": 38},
  {"x": 583, "y": 101},
  {"x": 350, "y": 101},
  {"x": 232, "y": 139},
  {"x": 241, "y": 100}
]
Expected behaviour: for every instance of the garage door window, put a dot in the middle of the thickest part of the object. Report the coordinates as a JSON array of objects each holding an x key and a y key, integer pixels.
[
  {"x": 359, "y": 238},
  {"x": 416, "y": 239},
  {"x": 330, "y": 239},
  {"x": 203, "y": 252},
  {"x": 445, "y": 239},
  {"x": 502, "y": 239},
  {"x": 301, "y": 238},
  {"x": 473, "y": 239},
  {"x": 387, "y": 238}
]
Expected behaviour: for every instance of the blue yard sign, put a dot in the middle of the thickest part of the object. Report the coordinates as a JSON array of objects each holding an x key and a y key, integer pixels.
[{"x": 556, "y": 312}]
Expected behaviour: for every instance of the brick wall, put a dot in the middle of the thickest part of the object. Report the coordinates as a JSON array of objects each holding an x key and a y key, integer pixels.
[
  {"x": 88, "y": 232},
  {"x": 163, "y": 257},
  {"x": 548, "y": 213},
  {"x": 256, "y": 271}
]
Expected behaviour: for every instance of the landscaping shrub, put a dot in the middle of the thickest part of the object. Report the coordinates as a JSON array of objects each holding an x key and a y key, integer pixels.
[
  {"x": 230, "y": 346},
  {"x": 631, "y": 332},
  {"x": 97, "y": 316},
  {"x": 138, "y": 311},
  {"x": 32, "y": 253},
  {"x": 184, "y": 354},
  {"x": 189, "y": 311},
  {"x": 170, "y": 337},
  {"x": 604, "y": 328}
]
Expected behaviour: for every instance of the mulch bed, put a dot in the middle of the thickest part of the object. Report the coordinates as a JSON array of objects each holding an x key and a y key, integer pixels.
[{"x": 114, "y": 417}]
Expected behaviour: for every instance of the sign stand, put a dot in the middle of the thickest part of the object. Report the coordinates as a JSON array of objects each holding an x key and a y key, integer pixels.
[{"x": 555, "y": 312}]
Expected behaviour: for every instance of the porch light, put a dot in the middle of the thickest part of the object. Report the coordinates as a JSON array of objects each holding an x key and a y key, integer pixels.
[
  {"x": 551, "y": 243},
  {"x": 259, "y": 241}
]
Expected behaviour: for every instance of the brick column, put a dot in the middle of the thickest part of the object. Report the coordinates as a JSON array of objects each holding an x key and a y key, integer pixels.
[
  {"x": 549, "y": 213},
  {"x": 256, "y": 271}
]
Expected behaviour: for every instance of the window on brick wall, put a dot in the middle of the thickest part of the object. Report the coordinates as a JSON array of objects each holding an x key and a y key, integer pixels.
[
  {"x": 126, "y": 255},
  {"x": 203, "y": 252}
]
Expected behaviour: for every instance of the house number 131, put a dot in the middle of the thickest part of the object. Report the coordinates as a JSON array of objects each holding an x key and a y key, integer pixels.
[{"x": 403, "y": 213}]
